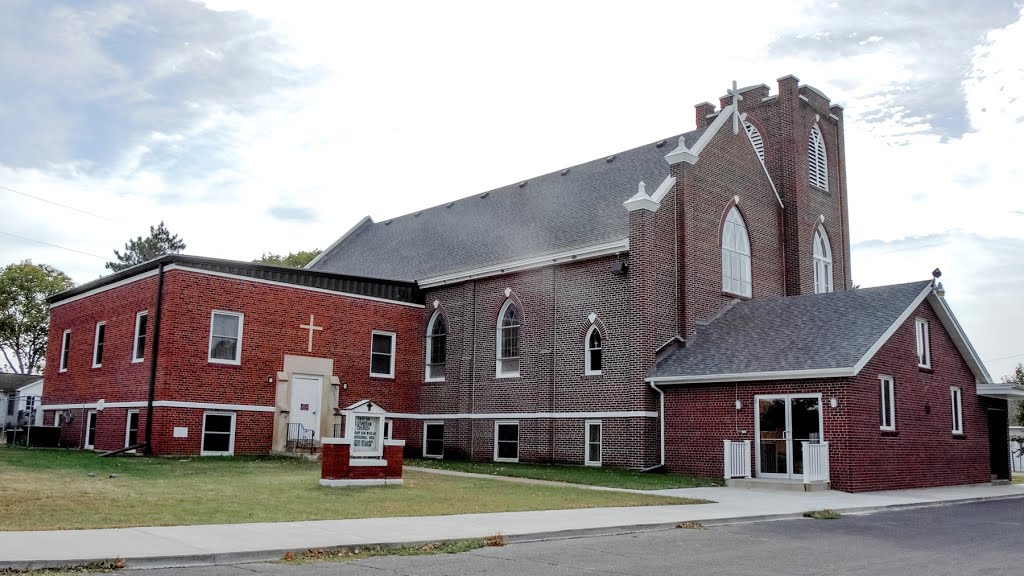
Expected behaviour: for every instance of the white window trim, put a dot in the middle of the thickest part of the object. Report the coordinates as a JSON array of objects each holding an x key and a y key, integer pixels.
[
  {"x": 428, "y": 349},
  {"x": 238, "y": 349},
  {"x": 923, "y": 339},
  {"x": 64, "y": 352},
  {"x": 587, "y": 370},
  {"x": 498, "y": 423},
  {"x": 745, "y": 257},
  {"x": 498, "y": 373},
  {"x": 394, "y": 340},
  {"x": 956, "y": 400},
  {"x": 96, "y": 344},
  {"x": 95, "y": 415},
  {"x": 890, "y": 381},
  {"x": 231, "y": 441},
  {"x": 135, "y": 341},
  {"x": 127, "y": 428},
  {"x": 823, "y": 269},
  {"x": 586, "y": 443},
  {"x": 433, "y": 423}
]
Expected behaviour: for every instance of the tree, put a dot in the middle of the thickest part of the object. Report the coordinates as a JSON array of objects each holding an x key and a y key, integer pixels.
[
  {"x": 159, "y": 243},
  {"x": 1016, "y": 378},
  {"x": 294, "y": 259},
  {"x": 24, "y": 314}
]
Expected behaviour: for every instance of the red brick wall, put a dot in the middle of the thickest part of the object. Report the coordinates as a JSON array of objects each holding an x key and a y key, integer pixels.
[{"x": 922, "y": 451}]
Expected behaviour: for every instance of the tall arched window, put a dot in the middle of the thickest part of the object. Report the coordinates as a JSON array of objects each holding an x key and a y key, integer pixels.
[
  {"x": 593, "y": 359},
  {"x": 817, "y": 160},
  {"x": 508, "y": 341},
  {"x": 735, "y": 255},
  {"x": 437, "y": 347},
  {"x": 822, "y": 262}
]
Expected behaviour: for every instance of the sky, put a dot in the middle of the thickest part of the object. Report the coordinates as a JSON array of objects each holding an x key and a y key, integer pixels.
[{"x": 253, "y": 126}]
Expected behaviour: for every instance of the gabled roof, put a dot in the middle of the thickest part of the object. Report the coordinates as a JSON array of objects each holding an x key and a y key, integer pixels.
[
  {"x": 12, "y": 382},
  {"x": 550, "y": 214},
  {"x": 809, "y": 336}
]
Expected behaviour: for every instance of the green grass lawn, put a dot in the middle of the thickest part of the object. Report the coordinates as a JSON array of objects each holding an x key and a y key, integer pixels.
[
  {"x": 52, "y": 489},
  {"x": 590, "y": 475}
]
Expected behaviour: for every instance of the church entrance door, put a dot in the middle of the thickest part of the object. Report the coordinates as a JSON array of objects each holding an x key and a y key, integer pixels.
[{"x": 304, "y": 419}]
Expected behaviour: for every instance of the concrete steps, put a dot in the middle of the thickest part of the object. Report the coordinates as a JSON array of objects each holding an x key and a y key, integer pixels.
[{"x": 777, "y": 484}]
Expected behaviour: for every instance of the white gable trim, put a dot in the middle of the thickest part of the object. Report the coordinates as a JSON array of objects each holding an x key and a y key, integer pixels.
[
  {"x": 101, "y": 289},
  {"x": 764, "y": 168},
  {"x": 691, "y": 155},
  {"x": 952, "y": 326},
  {"x": 594, "y": 251},
  {"x": 186, "y": 268},
  {"x": 340, "y": 240},
  {"x": 641, "y": 201},
  {"x": 892, "y": 329}
]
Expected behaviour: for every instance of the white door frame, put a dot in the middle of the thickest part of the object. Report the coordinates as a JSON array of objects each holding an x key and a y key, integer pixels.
[
  {"x": 316, "y": 398},
  {"x": 789, "y": 431},
  {"x": 127, "y": 429},
  {"x": 95, "y": 416}
]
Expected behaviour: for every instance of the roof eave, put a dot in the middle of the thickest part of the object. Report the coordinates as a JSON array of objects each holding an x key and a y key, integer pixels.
[{"x": 841, "y": 372}]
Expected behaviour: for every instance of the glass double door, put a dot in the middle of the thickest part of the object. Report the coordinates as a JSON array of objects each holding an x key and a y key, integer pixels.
[{"x": 784, "y": 422}]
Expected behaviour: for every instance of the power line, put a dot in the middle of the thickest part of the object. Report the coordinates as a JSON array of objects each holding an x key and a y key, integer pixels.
[
  {"x": 54, "y": 245},
  {"x": 1004, "y": 357},
  {"x": 57, "y": 204}
]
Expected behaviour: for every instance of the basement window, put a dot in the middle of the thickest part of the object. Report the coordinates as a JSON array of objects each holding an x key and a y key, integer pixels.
[
  {"x": 506, "y": 441},
  {"x": 218, "y": 434}
]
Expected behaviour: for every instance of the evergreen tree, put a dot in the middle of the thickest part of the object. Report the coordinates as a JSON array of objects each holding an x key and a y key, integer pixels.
[{"x": 160, "y": 242}]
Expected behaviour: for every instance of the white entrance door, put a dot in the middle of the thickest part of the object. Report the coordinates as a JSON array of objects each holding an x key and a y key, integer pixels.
[
  {"x": 783, "y": 422},
  {"x": 304, "y": 419}
]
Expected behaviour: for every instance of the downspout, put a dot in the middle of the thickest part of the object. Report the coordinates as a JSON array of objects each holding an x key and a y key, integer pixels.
[
  {"x": 661, "y": 434},
  {"x": 472, "y": 381},
  {"x": 155, "y": 348},
  {"x": 551, "y": 357}
]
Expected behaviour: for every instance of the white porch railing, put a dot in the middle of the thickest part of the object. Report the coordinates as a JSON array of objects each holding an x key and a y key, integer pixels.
[
  {"x": 736, "y": 456},
  {"x": 815, "y": 462}
]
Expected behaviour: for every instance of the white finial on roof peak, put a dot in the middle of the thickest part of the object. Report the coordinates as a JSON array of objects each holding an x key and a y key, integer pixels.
[{"x": 641, "y": 188}]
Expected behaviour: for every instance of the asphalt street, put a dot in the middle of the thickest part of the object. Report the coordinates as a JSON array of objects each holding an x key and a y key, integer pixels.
[{"x": 967, "y": 539}]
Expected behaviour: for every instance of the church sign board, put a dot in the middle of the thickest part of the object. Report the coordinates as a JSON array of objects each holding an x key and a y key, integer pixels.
[{"x": 364, "y": 425}]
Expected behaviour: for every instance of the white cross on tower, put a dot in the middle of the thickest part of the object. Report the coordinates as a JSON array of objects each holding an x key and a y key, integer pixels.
[
  {"x": 311, "y": 327},
  {"x": 736, "y": 97}
]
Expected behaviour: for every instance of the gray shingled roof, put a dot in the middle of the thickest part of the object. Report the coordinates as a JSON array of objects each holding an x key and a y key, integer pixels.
[
  {"x": 810, "y": 332},
  {"x": 11, "y": 382},
  {"x": 550, "y": 214}
]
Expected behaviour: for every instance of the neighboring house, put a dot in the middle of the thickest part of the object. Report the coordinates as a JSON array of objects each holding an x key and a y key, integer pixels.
[
  {"x": 659, "y": 306},
  {"x": 20, "y": 399}
]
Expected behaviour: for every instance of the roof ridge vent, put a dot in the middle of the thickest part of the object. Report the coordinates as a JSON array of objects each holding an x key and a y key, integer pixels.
[
  {"x": 417, "y": 214},
  {"x": 450, "y": 204},
  {"x": 660, "y": 143},
  {"x": 484, "y": 195},
  {"x": 387, "y": 223},
  {"x": 564, "y": 172},
  {"x": 523, "y": 183},
  {"x": 610, "y": 158}
]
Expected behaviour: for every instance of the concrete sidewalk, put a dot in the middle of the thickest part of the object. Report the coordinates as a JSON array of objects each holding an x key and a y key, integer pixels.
[{"x": 233, "y": 543}]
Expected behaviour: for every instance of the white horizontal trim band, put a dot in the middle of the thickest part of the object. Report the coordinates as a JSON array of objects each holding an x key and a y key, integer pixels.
[
  {"x": 525, "y": 415},
  {"x": 595, "y": 251},
  {"x": 749, "y": 376},
  {"x": 286, "y": 285},
  {"x": 101, "y": 289},
  {"x": 164, "y": 404}
]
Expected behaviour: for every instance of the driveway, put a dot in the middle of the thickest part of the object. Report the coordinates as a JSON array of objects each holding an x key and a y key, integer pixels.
[{"x": 964, "y": 539}]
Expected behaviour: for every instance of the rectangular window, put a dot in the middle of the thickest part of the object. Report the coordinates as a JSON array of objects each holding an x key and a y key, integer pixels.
[
  {"x": 382, "y": 354},
  {"x": 506, "y": 441},
  {"x": 956, "y": 399},
  {"x": 924, "y": 353},
  {"x": 65, "y": 350},
  {"x": 131, "y": 429},
  {"x": 97, "y": 345},
  {"x": 218, "y": 434},
  {"x": 387, "y": 428},
  {"x": 888, "y": 403},
  {"x": 593, "y": 443},
  {"x": 139, "y": 345},
  {"x": 433, "y": 440},
  {"x": 225, "y": 337},
  {"x": 90, "y": 430},
  {"x": 10, "y": 404}
]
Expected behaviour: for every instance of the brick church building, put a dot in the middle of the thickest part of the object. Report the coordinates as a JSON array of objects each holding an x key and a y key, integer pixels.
[{"x": 685, "y": 305}]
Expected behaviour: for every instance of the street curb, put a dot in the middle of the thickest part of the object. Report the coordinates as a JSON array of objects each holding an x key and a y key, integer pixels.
[{"x": 213, "y": 559}]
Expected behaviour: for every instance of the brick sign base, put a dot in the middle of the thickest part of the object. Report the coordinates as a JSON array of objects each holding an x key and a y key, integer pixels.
[{"x": 339, "y": 468}]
